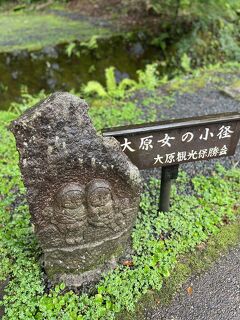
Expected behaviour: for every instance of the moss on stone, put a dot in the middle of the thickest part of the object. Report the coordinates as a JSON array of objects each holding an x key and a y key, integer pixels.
[{"x": 33, "y": 30}]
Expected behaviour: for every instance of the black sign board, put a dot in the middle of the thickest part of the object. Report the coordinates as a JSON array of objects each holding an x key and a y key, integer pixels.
[{"x": 168, "y": 143}]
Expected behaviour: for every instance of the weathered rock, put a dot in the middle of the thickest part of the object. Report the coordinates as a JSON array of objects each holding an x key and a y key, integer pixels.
[{"x": 82, "y": 190}]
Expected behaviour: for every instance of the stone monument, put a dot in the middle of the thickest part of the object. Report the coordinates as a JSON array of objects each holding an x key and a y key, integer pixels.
[{"x": 83, "y": 191}]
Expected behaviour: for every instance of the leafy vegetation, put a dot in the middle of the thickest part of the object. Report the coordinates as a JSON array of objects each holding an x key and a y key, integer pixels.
[
  {"x": 148, "y": 104},
  {"x": 190, "y": 34},
  {"x": 112, "y": 116},
  {"x": 147, "y": 79},
  {"x": 27, "y": 101},
  {"x": 207, "y": 10},
  {"x": 73, "y": 48},
  {"x": 158, "y": 240},
  {"x": 206, "y": 31}
]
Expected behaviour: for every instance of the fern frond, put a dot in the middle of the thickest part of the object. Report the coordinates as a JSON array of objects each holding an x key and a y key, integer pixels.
[
  {"x": 94, "y": 87},
  {"x": 70, "y": 48},
  {"x": 149, "y": 77},
  {"x": 186, "y": 62},
  {"x": 111, "y": 81},
  {"x": 91, "y": 44},
  {"x": 126, "y": 84}
]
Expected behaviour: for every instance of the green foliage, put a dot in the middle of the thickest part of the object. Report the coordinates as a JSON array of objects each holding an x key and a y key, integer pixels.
[
  {"x": 205, "y": 31},
  {"x": 94, "y": 87},
  {"x": 158, "y": 239},
  {"x": 229, "y": 40},
  {"x": 103, "y": 115},
  {"x": 111, "y": 83},
  {"x": 112, "y": 116},
  {"x": 206, "y": 10},
  {"x": 112, "y": 90},
  {"x": 71, "y": 48},
  {"x": 27, "y": 101},
  {"x": 186, "y": 63},
  {"x": 213, "y": 75},
  {"x": 147, "y": 79},
  {"x": 214, "y": 33},
  {"x": 3, "y": 88},
  {"x": 74, "y": 48},
  {"x": 90, "y": 44}
]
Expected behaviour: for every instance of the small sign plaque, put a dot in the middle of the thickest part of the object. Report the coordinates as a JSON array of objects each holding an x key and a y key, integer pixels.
[{"x": 173, "y": 142}]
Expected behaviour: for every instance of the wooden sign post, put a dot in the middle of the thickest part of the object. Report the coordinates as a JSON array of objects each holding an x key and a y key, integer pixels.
[{"x": 167, "y": 144}]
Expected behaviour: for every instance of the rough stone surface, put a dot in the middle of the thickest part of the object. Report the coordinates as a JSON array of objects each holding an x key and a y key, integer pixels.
[{"x": 83, "y": 191}]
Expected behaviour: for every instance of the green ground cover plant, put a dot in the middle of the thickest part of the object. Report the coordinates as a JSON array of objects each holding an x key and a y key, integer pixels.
[{"x": 158, "y": 240}]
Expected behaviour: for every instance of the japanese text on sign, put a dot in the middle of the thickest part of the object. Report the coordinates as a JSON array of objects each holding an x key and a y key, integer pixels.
[{"x": 189, "y": 140}]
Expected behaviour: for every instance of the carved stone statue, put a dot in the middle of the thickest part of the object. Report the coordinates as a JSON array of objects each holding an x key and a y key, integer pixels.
[
  {"x": 70, "y": 214},
  {"x": 102, "y": 205},
  {"x": 82, "y": 190}
]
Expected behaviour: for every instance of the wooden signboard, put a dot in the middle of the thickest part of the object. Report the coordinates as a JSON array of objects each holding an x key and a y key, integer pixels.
[
  {"x": 167, "y": 144},
  {"x": 183, "y": 140}
]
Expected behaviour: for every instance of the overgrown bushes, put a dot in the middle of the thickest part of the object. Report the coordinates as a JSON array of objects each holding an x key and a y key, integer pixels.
[
  {"x": 206, "y": 10},
  {"x": 207, "y": 31}
]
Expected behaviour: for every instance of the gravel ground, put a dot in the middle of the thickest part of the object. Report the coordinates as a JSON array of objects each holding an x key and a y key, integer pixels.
[
  {"x": 215, "y": 294},
  {"x": 203, "y": 102}
]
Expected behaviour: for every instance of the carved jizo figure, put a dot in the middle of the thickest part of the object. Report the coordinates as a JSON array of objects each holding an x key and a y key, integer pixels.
[
  {"x": 70, "y": 213},
  {"x": 82, "y": 190},
  {"x": 102, "y": 205}
]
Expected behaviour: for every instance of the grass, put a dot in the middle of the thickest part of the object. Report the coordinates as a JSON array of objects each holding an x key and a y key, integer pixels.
[{"x": 33, "y": 31}]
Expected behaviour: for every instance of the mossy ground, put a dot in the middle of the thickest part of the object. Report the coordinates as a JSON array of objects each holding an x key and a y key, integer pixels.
[{"x": 35, "y": 30}]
